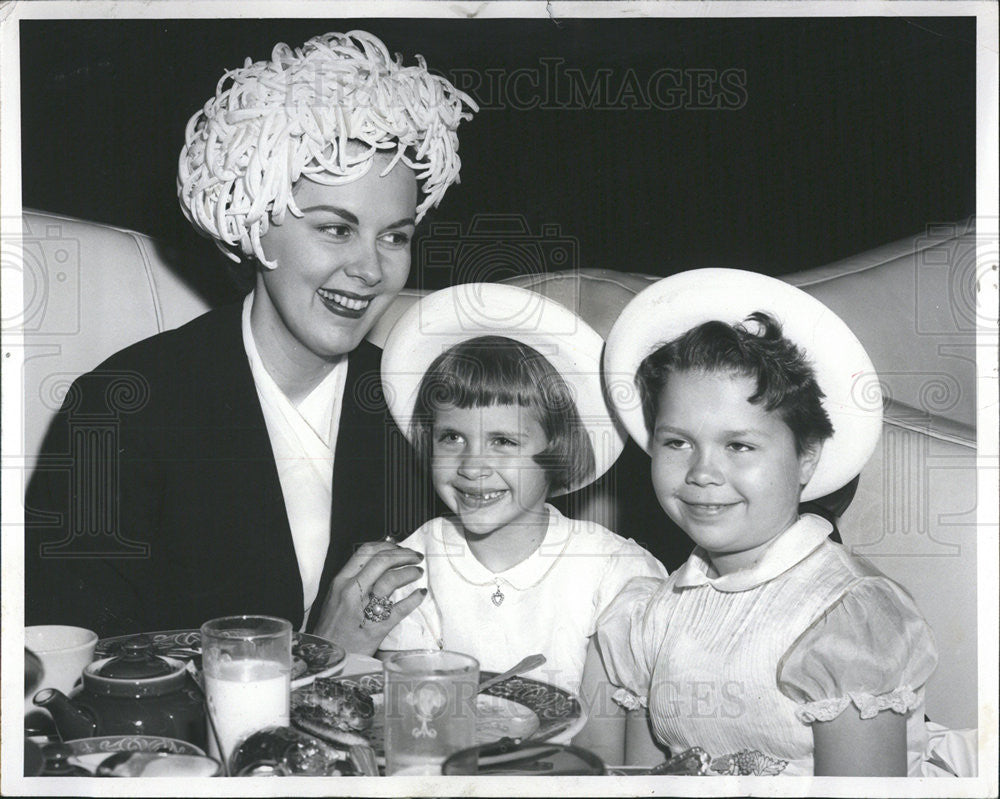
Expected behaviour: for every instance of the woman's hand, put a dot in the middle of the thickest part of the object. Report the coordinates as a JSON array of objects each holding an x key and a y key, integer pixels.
[{"x": 377, "y": 569}]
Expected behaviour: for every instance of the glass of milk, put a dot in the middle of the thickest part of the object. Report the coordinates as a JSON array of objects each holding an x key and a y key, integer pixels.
[
  {"x": 430, "y": 709},
  {"x": 247, "y": 666}
]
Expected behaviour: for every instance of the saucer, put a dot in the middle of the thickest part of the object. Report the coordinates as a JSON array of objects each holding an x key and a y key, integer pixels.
[{"x": 312, "y": 656}]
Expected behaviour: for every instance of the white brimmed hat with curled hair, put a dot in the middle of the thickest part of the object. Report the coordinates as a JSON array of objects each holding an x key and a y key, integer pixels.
[
  {"x": 323, "y": 111},
  {"x": 672, "y": 306}
]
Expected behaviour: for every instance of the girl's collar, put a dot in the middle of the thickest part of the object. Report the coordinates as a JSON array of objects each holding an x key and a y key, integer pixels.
[
  {"x": 522, "y": 575},
  {"x": 787, "y": 550}
]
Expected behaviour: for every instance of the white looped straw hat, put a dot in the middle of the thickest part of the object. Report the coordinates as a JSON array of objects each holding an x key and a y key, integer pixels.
[
  {"x": 672, "y": 306},
  {"x": 450, "y": 316}
]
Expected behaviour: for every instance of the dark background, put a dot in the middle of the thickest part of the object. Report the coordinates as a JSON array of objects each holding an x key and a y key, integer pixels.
[
  {"x": 848, "y": 133},
  {"x": 840, "y": 135}
]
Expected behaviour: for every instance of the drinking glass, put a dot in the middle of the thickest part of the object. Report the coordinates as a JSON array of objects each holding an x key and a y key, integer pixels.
[
  {"x": 247, "y": 666},
  {"x": 430, "y": 709}
]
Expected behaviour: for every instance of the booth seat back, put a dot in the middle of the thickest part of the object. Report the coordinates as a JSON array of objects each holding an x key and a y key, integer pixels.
[{"x": 91, "y": 290}]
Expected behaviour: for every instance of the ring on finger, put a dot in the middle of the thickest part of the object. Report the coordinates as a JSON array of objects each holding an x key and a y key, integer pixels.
[{"x": 379, "y": 608}]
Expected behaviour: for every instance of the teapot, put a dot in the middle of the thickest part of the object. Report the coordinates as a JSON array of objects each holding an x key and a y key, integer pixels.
[{"x": 134, "y": 693}]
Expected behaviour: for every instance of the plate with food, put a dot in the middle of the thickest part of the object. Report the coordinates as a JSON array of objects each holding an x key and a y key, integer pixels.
[
  {"x": 139, "y": 755},
  {"x": 312, "y": 656},
  {"x": 348, "y": 710}
]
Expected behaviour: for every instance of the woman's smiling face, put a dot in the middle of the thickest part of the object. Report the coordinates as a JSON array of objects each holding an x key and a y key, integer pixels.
[
  {"x": 724, "y": 469},
  {"x": 339, "y": 266}
]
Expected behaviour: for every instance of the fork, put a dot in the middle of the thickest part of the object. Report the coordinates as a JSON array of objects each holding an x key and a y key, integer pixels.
[{"x": 529, "y": 663}]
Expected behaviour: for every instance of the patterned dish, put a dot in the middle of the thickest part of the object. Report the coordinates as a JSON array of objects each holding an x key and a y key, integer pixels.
[
  {"x": 91, "y": 752},
  {"x": 109, "y": 744},
  {"x": 515, "y": 708},
  {"x": 312, "y": 656}
]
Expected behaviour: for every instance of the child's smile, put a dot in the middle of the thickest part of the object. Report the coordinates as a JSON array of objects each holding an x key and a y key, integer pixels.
[
  {"x": 724, "y": 469},
  {"x": 474, "y": 499},
  {"x": 484, "y": 468},
  {"x": 708, "y": 510}
]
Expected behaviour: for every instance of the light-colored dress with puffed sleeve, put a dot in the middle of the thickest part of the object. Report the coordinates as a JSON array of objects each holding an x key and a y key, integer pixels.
[
  {"x": 742, "y": 664},
  {"x": 547, "y": 603}
]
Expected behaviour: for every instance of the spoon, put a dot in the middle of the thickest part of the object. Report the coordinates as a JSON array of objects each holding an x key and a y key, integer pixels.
[
  {"x": 529, "y": 663},
  {"x": 106, "y": 768},
  {"x": 157, "y": 764}
]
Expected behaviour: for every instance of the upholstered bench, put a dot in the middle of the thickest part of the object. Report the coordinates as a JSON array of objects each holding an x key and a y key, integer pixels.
[{"x": 91, "y": 290}]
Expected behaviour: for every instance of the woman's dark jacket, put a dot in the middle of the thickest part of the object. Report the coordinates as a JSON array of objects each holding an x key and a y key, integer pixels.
[{"x": 156, "y": 503}]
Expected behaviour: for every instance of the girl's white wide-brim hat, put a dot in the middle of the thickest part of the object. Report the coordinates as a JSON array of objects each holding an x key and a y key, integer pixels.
[
  {"x": 672, "y": 306},
  {"x": 450, "y": 316}
]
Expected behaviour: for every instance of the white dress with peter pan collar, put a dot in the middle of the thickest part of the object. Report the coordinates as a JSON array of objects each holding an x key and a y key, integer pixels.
[
  {"x": 550, "y": 601},
  {"x": 745, "y": 662}
]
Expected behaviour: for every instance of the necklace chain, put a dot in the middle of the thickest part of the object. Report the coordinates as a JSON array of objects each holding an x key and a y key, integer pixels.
[{"x": 498, "y": 596}]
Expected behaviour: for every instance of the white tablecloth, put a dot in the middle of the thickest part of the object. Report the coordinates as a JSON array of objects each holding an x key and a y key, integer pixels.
[{"x": 360, "y": 664}]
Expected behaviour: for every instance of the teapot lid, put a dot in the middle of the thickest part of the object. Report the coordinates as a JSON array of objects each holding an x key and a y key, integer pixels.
[{"x": 137, "y": 661}]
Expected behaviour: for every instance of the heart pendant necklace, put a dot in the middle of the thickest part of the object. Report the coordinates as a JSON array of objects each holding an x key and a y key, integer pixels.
[{"x": 498, "y": 596}]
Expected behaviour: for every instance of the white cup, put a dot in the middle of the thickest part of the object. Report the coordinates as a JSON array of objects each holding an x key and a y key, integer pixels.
[{"x": 64, "y": 652}]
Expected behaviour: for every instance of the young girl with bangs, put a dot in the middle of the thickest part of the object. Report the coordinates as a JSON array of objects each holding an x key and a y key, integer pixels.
[{"x": 502, "y": 428}]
